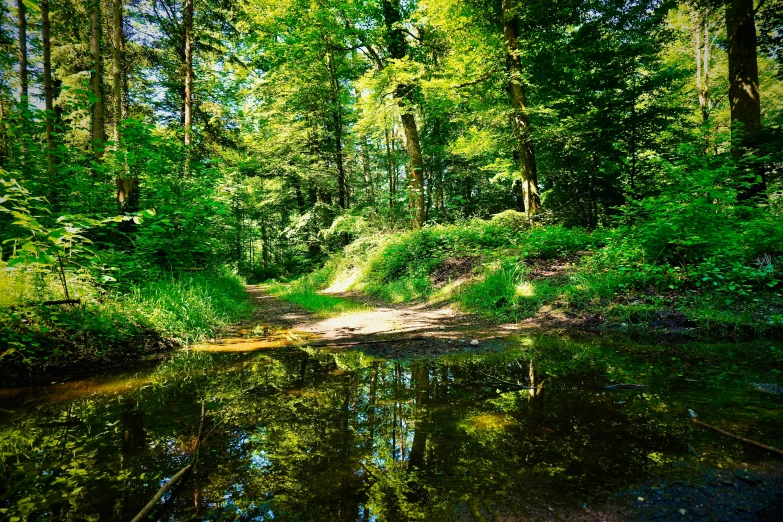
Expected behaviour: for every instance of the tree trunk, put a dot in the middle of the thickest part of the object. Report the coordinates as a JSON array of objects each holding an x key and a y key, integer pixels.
[
  {"x": 398, "y": 49},
  {"x": 22, "y": 21},
  {"x": 744, "y": 93},
  {"x": 48, "y": 92},
  {"x": 416, "y": 169},
  {"x": 96, "y": 80},
  {"x": 367, "y": 173},
  {"x": 117, "y": 69},
  {"x": 702, "y": 55},
  {"x": 520, "y": 120},
  {"x": 127, "y": 185},
  {"x": 391, "y": 170},
  {"x": 743, "y": 68},
  {"x": 188, "y": 101},
  {"x": 337, "y": 121}
]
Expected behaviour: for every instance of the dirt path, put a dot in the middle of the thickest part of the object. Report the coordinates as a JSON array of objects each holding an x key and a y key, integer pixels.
[{"x": 382, "y": 329}]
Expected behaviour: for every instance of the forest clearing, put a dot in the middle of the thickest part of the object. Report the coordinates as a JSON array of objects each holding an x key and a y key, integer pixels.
[{"x": 391, "y": 260}]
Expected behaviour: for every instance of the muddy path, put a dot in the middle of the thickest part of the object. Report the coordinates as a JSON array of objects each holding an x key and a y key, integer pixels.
[{"x": 381, "y": 329}]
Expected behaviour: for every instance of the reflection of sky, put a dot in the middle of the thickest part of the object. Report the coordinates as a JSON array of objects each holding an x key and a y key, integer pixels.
[{"x": 259, "y": 460}]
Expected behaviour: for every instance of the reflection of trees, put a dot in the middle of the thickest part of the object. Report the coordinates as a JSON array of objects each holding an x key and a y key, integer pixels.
[{"x": 313, "y": 436}]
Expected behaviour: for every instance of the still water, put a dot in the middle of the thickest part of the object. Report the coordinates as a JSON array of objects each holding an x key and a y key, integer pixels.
[{"x": 526, "y": 431}]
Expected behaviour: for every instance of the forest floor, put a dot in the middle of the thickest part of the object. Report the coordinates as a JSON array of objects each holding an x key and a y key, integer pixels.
[{"x": 382, "y": 329}]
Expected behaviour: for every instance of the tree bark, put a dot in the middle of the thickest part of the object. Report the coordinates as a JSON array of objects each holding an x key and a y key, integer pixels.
[
  {"x": 520, "y": 119},
  {"x": 96, "y": 80},
  {"x": 390, "y": 164},
  {"x": 48, "y": 92},
  {"x": 743, "y": 68},
  {"x": 702, "y": 55},
  {"x": 22, "y": 26},
  {"x": 337, "y": 120},
  {"x": 127, "y": 184},
  {"x": 744, "y": 93},
  {"x": 367, "y": 172},
  {"x": 398, "y": 49},
  {"x": 188, "y": 102},
  {"x": 416, "y": 169},
  {"x": 117, "y": 69}
]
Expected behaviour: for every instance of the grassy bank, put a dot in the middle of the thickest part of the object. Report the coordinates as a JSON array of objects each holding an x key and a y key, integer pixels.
[
  {"x": 505, "y": 270},
  {"x": 108, "y": 327}
]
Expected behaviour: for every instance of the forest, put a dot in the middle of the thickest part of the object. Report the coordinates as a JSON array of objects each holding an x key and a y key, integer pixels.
[
  {"x": 228, "y": 176},
  {"x": 152, "y": 151}
]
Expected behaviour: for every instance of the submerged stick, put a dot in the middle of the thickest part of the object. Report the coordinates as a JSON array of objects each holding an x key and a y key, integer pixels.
[
  {"x": 146, "y": 510},
  {"x": 771, "y": 449}
]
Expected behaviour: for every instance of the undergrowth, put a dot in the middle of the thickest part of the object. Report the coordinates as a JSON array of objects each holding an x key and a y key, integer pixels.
[
  {"x": 109, "y": 325},
  {"x": 506, "y": 270}
]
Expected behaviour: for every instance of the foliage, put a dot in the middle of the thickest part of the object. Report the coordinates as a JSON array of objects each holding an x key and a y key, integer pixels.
[{"x": 109, "y": 326}]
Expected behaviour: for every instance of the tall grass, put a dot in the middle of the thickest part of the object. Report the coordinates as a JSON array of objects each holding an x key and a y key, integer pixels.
[{"x": 189, "y": 308}]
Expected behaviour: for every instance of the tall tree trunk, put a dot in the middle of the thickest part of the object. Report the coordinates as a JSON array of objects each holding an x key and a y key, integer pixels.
[
  {"x": 367, "y": 172},
  {"x": 188, "y": 102},
  {"x": 48, "y": 93},
  {"x": 96, "y": 80},
  {"x": 744, "y": 93},
  {"x": 702, "y": 55},
  {"x": 416, "y": 169},
  {"x": 743, "y": 68},
  {"x": 520, "y": 119},
  {"x": 22, "y": 25},
  {"x": 127, "y": 184},
  {"x": 118, "y": 66},
  {"x": 337, "y": 120},
  {"x": 398, "y": 49},
  {"x": 392, "y": 168}
]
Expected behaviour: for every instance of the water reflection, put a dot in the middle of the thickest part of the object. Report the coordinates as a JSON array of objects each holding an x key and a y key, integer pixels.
[{"x": 300, "y": 434}]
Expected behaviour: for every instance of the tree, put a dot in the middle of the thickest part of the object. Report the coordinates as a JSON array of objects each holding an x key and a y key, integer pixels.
[
  {"x": 520, "y": 121},
  {"x": 22, "y": 26},
  {"x": 48, "y": 89},
  {"x": 397, "y": 48},
  {"x": 188, "y": 72},
  {"x": 743, "y": 68},
  {"x": 96, "y": 80}
]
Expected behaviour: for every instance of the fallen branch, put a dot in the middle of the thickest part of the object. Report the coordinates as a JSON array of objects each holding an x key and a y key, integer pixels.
[
  {"x": 771, "y": 449},
  {"x": 62, "y": 302},
  {"x": 146, "y": 510}
]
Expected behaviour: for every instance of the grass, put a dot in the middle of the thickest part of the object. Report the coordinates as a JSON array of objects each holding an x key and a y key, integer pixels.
[
  {"x": 322, "y": 306},
  {"x": 110, "y": 326},
  {"x": 502, "y": 284},
  {"x": 189, "y": 308}
]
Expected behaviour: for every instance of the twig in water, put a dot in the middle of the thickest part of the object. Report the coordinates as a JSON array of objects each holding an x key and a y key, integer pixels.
[
  {"x": 775, "y": 451},
  {"x": 146, "y": 510}
]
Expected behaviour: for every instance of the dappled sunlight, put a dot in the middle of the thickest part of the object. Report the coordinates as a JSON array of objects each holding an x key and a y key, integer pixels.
[
  {"x": 344, "y": 281},
  {"x": 490, "y": 421},
  {"x": 525, "y": 289}
]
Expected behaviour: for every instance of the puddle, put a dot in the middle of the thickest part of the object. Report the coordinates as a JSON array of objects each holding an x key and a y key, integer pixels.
[{"x": 296, "y": 433}]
